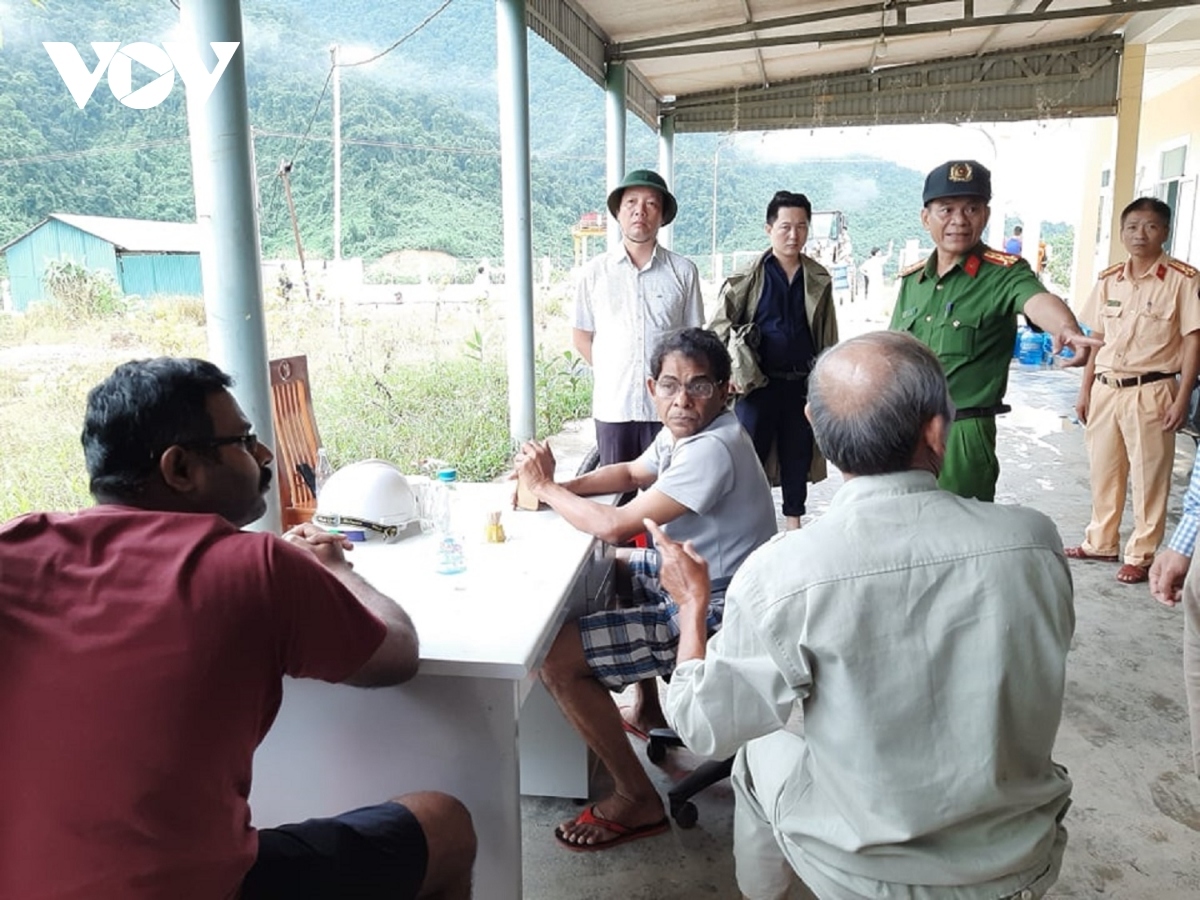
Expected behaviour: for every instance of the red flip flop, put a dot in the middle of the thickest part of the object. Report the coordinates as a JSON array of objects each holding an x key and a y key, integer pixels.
[
  {"x": 623, "y": 833},
  {"x": 633, "y": 729}
]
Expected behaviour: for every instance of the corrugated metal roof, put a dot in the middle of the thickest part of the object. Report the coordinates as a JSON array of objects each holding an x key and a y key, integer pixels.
[
  {"x": 138, "y": 235},
  {"x": 1079, "y": 79},
  {"x": 678, "y": 51}
]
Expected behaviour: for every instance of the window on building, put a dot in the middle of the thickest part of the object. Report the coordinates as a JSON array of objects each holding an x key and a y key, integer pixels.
[
  {"x": 1171, "y": 165},
  {"x": 1104, "y": 210}
]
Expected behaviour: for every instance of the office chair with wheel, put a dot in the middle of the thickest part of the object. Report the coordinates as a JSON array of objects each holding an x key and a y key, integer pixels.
[
  {"x": 679, "y": 797},
  {"x": 708, "y": 773}
]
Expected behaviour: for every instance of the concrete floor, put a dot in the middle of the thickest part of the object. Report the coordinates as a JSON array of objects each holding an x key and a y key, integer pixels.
[{"x": 1135, "y": 823}]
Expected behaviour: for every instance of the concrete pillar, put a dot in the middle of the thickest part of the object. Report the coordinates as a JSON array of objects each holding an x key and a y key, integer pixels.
[
  {"x": 1129, "y": 116},
  {"x": 512, "y": 55},
  {"x": 614, "y": 129},
  {"x": 334, "y": 52},
  {"x": 230, "y": 258},
  {"x": 666, "y": 167}
]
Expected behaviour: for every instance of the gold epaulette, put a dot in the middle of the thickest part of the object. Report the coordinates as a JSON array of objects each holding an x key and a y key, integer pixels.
[
  {"x": 1111, "y": 270},
  {"x": 996, "y": 258},
  {"x": 1180, "y": 266},
  {"x": 915, "y": 267}
]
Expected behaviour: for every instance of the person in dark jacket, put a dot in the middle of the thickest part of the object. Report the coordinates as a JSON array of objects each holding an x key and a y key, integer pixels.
[{"x": 775, "y": 317}]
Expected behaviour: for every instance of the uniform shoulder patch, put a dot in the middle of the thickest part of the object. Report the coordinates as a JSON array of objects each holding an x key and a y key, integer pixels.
[
  {"x": 1111, "y": 270},
  {"x": 996, "y": 258},
  {"x": 1180, "y": 266},
  {"x": 915, "y": 267}
]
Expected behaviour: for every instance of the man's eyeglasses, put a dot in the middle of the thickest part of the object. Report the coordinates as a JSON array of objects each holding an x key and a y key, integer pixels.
[
  {"x": 699, "y": 389},
  {"x": 249, "y": 442}
]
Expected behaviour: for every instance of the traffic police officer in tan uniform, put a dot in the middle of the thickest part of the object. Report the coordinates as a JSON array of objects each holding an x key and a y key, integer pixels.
[
  {"x": 963, "y": 302},
  {"x": 1148, "y": 312}
]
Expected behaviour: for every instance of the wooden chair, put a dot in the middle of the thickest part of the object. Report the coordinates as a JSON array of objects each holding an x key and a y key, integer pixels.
[{"x": 296, "y": 437}]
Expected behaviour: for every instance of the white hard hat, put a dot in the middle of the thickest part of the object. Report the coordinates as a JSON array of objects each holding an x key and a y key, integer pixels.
[{"x": 371, "y": 496}]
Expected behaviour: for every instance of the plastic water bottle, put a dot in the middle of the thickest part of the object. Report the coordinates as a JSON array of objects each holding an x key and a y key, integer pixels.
[
  {"x": 450, "y": 557},
  {"x": 323, "y": 471},
  {"x": 1031, "y": 349},
  {"x": 1067, "y": 352},
  {"x": 1047, "y": 349}
]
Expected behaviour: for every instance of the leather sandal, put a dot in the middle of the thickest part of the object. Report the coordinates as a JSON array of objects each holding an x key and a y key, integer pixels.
[
  {"x": 1131, "y": 574},
  {"x": 1080, "y": 553}
]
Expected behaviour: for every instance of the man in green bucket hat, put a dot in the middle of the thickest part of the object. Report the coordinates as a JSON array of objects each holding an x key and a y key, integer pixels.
[{"x": 625, "y": 301}]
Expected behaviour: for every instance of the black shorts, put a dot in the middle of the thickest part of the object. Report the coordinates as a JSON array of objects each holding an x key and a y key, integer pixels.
[{"x": 373, "y": 852}]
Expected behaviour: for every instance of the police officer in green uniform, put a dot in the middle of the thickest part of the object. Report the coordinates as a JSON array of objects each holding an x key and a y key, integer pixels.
[{"x": 963, "y": 302}]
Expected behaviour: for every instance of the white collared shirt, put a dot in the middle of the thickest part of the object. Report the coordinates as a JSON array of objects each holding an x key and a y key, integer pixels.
[{"x": 628, "y": 310}]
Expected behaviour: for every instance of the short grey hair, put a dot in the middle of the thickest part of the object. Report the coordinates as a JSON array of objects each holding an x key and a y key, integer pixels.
[{"x": 873, "y": 428}]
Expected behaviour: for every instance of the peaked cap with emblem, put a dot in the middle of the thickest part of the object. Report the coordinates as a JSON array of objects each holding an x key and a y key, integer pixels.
[{"x": 958, "y": 178}]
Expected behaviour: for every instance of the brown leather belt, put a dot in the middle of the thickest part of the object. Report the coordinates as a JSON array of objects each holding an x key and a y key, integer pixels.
[{"x": 1132, "y": 380}]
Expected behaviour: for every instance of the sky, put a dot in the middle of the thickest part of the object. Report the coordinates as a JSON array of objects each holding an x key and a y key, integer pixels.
[{"x": 1037, "y": 167}]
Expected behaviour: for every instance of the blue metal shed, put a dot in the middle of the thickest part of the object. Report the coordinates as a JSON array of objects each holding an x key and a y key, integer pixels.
[{"x": 145, "y": 257}]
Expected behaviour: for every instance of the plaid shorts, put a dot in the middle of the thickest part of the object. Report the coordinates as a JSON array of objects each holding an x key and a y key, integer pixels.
[{"x": 630, "y": 644}]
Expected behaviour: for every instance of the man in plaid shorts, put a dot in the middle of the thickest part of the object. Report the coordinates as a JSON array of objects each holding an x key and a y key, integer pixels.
[{"x": 702, "y": 479}]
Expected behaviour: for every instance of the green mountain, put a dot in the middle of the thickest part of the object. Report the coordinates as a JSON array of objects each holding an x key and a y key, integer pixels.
[{"x": 420, "y": 162}]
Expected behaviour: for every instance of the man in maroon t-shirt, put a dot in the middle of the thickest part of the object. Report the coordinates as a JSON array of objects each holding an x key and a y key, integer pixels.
[{"x": 143, "y": 644}]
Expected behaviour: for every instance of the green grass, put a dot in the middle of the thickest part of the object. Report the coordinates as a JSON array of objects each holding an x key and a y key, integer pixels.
[
  {"x": 403, "y": 385},
  {"x": 455, "y": 411}
]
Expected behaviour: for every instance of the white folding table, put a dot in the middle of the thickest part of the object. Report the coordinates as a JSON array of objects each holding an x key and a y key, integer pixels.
[{"x": 475, "y": 722}]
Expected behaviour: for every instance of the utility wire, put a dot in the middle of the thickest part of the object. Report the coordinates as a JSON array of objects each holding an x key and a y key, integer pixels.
[
  {"x": 61, "y": 155},
  {"x": 312, "y": 118},
  {"x": 329, "y": 75},
  {"x": 439, "y": 148},
  {"x": 429, "y": 18},
  {"x": 370, "y": 142},
  {"x": 263, "y": 133}
]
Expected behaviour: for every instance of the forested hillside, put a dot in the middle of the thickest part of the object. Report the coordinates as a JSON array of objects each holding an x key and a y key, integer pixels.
[{"x": 421, "y": 167}]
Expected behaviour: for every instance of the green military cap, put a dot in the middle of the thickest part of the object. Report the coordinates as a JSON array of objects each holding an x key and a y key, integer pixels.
[
  {"x": 958, "y": 178},
  {"x": 647, "y": 179}
]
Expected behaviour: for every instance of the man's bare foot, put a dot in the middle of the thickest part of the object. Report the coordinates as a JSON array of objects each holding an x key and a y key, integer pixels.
[
  {"x": 633, "y": 726},
  {"x": 792, "y": 522},
  {"x": 646, "y": 712},
  {"x": 629, "y": 815}
]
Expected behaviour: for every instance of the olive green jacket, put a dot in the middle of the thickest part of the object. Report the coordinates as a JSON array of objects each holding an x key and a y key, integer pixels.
[{"x": 733, "y": 323}]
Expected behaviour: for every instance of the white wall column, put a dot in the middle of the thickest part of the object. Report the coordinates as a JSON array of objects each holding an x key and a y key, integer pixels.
[
  {"x": 614, "y": 130},
  {"x": 512, "y": 54},
  {"x": 1129, "y": 117},
  {"x": 666, "y": 168},
  {"x": 230, "y": 258}
]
